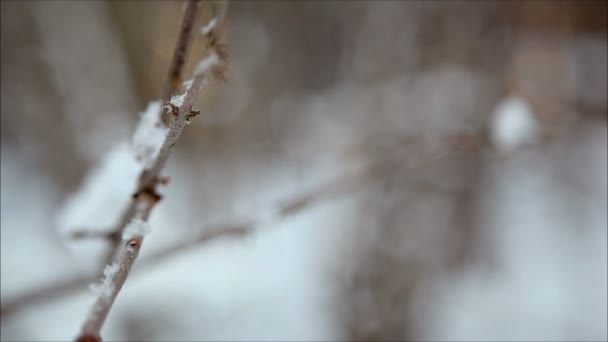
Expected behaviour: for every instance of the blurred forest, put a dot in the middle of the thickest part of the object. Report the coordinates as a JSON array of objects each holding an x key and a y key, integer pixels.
[{"x": 480, "y": 127}]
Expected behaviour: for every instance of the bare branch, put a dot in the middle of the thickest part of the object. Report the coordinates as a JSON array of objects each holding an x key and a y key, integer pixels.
[{"x": 93, "y": 234}]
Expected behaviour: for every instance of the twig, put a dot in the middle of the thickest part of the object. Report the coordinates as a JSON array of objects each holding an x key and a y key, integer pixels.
[
  {"x": 93, "y": 234},
  {"x": 171, "y": 85},
  {"x": 44, "y": 294},
  {"x": 146, "y": 195},
  {"x": 213, "y": 31},
  {"x": 180, "y": 52}
]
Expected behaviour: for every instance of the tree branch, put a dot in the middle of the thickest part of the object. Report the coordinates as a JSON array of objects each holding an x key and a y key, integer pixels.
[
  {"x": 341, "y": 185},
  {"x": 171, "y": 85},
  {"x": 181, "y": 50},
  {"x": 146, "y": 196},
  {"x": 233, "y": 228}
]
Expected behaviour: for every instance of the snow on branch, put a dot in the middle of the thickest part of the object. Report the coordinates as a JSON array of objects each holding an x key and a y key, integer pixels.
[
  {"x": 341, "y": 185},
  {"x": 210, "y": 26},
  {"x": 136, "y": 228},
  {"x": 177, "y": 100},
  {"x": 149, "y": 135},
  {"x": 146, "y": 196},
  {"x": 104, "y": 290}
]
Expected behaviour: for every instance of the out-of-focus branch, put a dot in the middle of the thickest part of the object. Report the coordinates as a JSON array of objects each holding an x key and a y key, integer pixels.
[
  {"x": 146, "y": 196},
  {"x": 93, "y": 234},
  {"x": 43, "y": 294},
  {"x": 342, "y": 185}
]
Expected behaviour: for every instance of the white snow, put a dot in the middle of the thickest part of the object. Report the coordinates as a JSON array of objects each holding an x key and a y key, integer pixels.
[
  {"x": 105, "y": 287},
  {"x": 137, "y": 227},
  {"x": 210, "y": 26},
  {"x": 105, "y": 192},
  {"x": 178, "y": 100},
  {"x": 187, "y": 84},
  {"x": 149, "y": 134},
  {"x": 207, "y": 63},
  {"x": 513, "y": 124}
]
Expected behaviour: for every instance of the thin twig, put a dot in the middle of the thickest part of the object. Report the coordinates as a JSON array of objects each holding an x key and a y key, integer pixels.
[
  {"x": 171, "y": 85},
  {"x": 181, "y": 50},
  {"x": 146, "y": 195},
  {"x": 44, "y": 294},
  {"x": 219, "y": 11}
]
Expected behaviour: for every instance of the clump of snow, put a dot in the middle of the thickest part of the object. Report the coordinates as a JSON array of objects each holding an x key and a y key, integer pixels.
[
  {"x": 513, "y": 124},
  {"x": 104, "y": 194},
  {"x": 210, "y": 26},
  {"x": 207, "y": 63},
  {"x": 178, "y": 100},
  {"x": 135, "y": 228},
  {"x": 149, "y": 134},
  {"x": 187, "y": 84},
  {"x": 105, "y": 288},
  {"x": 107, "y": 190}
]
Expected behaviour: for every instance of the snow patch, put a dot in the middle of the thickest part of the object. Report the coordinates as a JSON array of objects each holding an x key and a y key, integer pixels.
[
  {"x": 106, "y": 287},
  {"x": 137, "y": 227},
  {"x": 210, "y": 26},
  {"x": 149, "y": 135},
  {"x": 513, "y": 124}
]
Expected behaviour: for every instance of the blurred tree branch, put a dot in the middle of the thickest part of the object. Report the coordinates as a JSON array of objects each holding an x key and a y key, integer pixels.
[{"x": 342, "y": 185}]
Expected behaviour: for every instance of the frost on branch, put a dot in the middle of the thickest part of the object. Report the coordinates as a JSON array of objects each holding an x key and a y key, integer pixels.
[
  {"x": 177, "y": 100},
  {"x": 137, "y": 227},
  {"x": 187, "y": 84},
  {"x": 149, "y": 135},
  {"x": 207, "y": 63},
  {"x": 107, "y": 190},
  {"x": 210, "y": 26},
  {"x": 105, "y": 288}
]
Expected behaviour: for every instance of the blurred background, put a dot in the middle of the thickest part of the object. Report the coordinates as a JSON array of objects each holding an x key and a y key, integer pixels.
[{"x": 483, "y": 216}]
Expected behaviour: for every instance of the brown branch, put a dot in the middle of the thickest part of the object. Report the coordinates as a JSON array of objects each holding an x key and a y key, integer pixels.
[
  {"x": 219, "y": 11},
  {"x": 146, "y": 196},
  {"x": 171, "y": 85},
  {"x": 181, "y": 50},
  {"x": 93, "y": 234}
]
